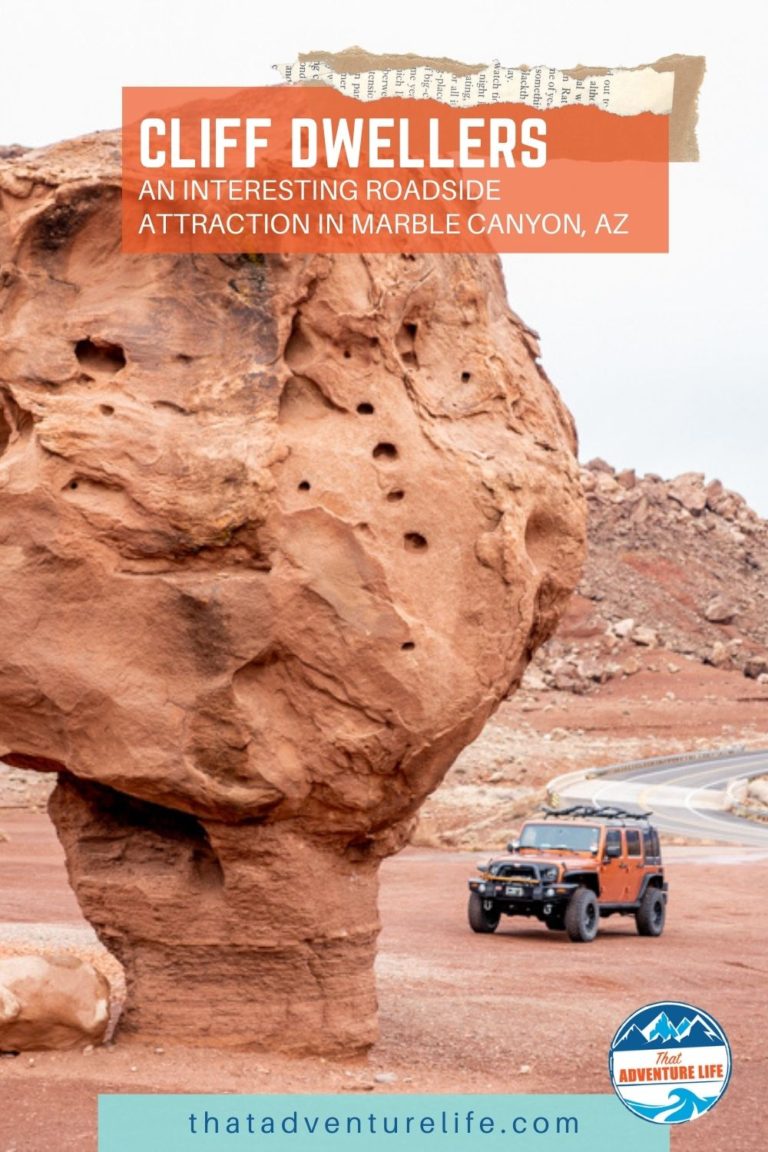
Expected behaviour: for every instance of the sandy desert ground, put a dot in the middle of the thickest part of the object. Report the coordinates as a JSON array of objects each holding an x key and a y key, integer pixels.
[{"x": 521, "y": 1011}]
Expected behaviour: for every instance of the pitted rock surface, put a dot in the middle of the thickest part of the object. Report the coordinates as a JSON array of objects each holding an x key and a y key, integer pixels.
[{"x": 277, "y": 534}]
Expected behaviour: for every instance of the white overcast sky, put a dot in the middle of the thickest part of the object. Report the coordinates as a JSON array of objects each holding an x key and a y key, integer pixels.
[{"x": 661, "y": 358}]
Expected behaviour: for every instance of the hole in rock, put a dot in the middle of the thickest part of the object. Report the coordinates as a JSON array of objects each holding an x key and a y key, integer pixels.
[
  {"x": 155, "y": 842},
  {"x": 415, "y": 542},
  {"x": 365, "y": 409},
  {"x": 395, "y": 494},
  {"x": 385, "y": 451},
  {"x": 299, "y": 349},
  {"x": 408, "y": 646},
  {"x": 361, "y": 347},
  {"x": 405, "y": 343},
  {"x": 466, "y": 377},
  {"x": 95, "y": 495},
  {"x": 106, "y": 409},
  {"x": 206, "y": 866},
  {"x": 304, "y": 486},
  {"x": 100, "y": 356}
]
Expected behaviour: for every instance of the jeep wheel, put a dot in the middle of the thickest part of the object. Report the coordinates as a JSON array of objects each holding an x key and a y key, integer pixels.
[
  {"x": 651, "y": 914},
  {"x": 479, "y": 919},
  {"x": 555, "y": 921},
  {"x": 582, "y": 916}
]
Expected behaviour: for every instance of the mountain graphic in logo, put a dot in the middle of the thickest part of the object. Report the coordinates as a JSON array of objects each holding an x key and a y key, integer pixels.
[{"x": 661, "y": 1031}]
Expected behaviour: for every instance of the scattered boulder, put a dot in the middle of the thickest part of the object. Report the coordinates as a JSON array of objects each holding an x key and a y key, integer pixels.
[
  {"x": 756, "y": 666},
  {"x": 591, "y": 668},
  {"x": 607, "y": 485},
  {"x": 51, "y": 1002},
  {"x": 721, "y": 501},
  {"x": 535, "y": 680},
  {"x": 757, "y": 791},
  {"x": 600, "y": 465},
  {"x": 720, "y": 610},
  {"x": 644, "y": 636},
  {"x": 565, "y": 678},
  {"x": 688, "y": 491},
  {"x": 719, "y": 655}
]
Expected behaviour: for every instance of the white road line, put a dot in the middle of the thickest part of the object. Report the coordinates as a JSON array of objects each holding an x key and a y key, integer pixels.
[
  {"x": 683, "y": 772},
  {"x": 682, "y": 789}
]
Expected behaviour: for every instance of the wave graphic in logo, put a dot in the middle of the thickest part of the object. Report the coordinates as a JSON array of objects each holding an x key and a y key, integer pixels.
[{"x": 683, "y": 1104}]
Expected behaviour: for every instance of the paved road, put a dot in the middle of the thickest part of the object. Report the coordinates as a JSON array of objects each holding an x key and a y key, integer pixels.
[{"x": 686, "y": 799}]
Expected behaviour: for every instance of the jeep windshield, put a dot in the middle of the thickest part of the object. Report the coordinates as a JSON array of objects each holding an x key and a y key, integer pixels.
[{"x": 559, "y": 837}]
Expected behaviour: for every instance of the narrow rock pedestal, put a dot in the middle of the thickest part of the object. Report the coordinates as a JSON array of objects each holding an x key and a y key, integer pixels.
[{"x": 233, "y": 935}]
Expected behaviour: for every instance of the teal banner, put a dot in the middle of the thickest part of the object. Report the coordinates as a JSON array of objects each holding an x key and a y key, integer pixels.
[{"x": 381, "y": 1123}]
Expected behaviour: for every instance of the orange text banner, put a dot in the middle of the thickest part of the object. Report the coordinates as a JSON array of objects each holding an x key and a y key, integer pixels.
[{"x": 306, "y": 169}]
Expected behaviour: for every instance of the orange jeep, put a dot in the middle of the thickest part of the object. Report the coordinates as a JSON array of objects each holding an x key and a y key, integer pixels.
[{"x": 571, "y": 867}]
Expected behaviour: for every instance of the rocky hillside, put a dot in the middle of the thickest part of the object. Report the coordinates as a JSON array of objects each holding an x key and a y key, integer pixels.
[{"x": 678, "y": 565}]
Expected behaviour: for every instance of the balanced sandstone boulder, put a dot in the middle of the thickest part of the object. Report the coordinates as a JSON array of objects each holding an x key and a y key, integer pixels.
[
  {"x": 277, "y": 535},
  {"x": 51, "y": 1001}
]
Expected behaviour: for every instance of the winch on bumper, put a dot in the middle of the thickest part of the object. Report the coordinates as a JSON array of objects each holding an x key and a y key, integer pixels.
[{"x": 537, "y": 892}]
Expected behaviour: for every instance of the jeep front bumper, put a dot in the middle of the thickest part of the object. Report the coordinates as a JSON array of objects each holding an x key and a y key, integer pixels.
[{"x": 515, "y": 898}]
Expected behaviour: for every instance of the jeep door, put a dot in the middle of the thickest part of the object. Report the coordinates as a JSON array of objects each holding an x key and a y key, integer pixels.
[
  {"x": 635, "y": 862},
  {"x": 614, "y": 880}
]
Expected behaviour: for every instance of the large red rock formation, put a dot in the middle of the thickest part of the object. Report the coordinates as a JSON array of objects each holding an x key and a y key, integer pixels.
[{"x": 276, "y": 536}]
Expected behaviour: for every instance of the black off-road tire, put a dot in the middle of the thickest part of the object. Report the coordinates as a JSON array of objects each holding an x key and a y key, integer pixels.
[
  {"x": 582, "y": 916},
  {"x": 555, "y": 921},
  {"x": 652, "y": 913},
  {"x": 479, "y": 919}
]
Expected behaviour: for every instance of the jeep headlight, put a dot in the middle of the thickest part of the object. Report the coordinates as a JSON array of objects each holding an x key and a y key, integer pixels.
[
  {"x": 481, "y": 888},
  {"x": 549, "y": 874}
]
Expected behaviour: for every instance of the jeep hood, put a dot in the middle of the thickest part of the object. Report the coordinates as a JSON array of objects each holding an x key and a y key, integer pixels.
[{"x": 585, "y": 860}]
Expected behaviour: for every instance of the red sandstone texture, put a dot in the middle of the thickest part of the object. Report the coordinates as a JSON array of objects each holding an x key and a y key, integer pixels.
[{"x": 276, "y": 537}]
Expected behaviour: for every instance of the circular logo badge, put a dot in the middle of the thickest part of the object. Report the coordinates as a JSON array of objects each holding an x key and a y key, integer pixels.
[{"x": 670, "y": 1062}]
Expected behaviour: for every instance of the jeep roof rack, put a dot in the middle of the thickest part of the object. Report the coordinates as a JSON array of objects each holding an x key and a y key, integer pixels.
[{"x": 590, "y": 812}]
